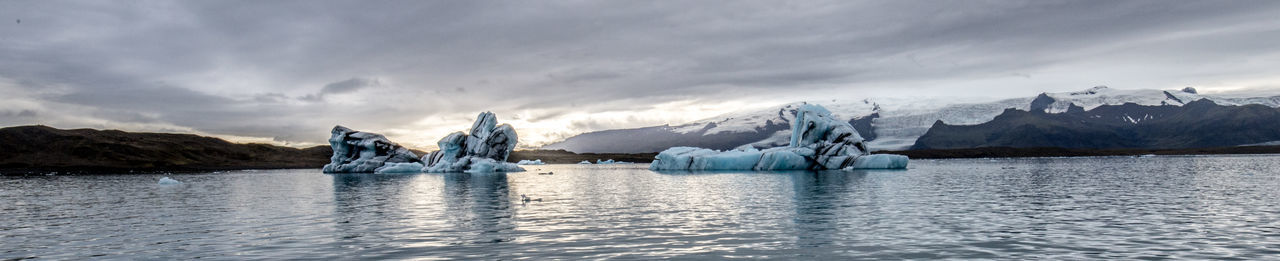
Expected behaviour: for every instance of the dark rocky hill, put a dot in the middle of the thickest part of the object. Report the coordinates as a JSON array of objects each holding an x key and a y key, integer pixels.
[
  {"x": 42, "y": 148},
  {"x": 1198, "y": 124}
]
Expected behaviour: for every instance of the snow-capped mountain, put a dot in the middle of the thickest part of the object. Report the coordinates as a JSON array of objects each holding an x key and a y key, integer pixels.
[
  {"x": 1200, "y": 123},
  {"x": 898, "y": 129},
  {"x": 887, "y": 123}
]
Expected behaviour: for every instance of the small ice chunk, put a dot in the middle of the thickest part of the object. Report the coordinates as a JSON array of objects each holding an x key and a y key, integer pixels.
[
  {"x": 584, "y": 162},
  {"x": 531, "y": 162},
  {"x": 169, "y": 181},
  {"x": 611, "y": 161}
]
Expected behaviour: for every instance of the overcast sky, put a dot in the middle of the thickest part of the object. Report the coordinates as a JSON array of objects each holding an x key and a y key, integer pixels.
[{"x": 287, "y": 71}]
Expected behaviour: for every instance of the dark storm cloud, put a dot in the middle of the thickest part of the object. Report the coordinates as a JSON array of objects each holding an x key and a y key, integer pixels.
[
  {"x": 349, "y": 85},
  {"x": 346, "y": 86},
  {"x": 18, "y": 114},
  {"x": 289, "y": 70}
]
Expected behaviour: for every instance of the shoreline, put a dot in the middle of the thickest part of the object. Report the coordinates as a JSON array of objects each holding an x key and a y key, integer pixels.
[
  {"x": 59, "y": 171},
  {"x": 1008, "y": 152},
  {"x": 565, "y": 157}
]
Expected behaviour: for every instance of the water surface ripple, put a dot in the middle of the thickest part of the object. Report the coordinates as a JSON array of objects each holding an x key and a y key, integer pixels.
[{"x": 1187, "y": 207}]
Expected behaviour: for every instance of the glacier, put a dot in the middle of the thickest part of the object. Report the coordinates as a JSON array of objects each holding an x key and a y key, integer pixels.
[
  {"x": 364, "y": 152},
  {"x": 484, "y": 149},
  {"x": 818, "y": 141}
]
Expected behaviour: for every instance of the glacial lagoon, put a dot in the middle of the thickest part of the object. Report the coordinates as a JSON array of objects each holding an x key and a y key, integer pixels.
[{"x": 1191, "y": 207}]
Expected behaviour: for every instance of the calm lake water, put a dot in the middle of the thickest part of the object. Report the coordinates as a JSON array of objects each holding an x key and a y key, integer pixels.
[{"x": 1062, "y": 208}]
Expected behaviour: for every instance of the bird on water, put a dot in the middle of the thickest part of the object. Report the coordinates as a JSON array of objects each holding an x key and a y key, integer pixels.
[{"x": 527, "y": 199}]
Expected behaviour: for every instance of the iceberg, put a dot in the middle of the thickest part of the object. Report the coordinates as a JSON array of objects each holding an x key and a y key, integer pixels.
[
  {"x": 819, "y": 141},
  {"x": 531, "y": 162},
  {"x": 585, "y": 162},
  {"x": 611, "y": 161},
  {"x": 484, "y": 149},
  {"x": 364, "y": 152}
]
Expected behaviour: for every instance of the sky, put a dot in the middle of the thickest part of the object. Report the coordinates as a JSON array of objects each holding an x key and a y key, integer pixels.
[{"x": 286, "y": 72}]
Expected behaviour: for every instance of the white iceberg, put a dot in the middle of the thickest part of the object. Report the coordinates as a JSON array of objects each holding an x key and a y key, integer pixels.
[
  {"x": 364, "y": 152},
  {"x": 531, "y": 162},
  {"x": 611, "y": 161},
  {"x": 818, "y": 141},
  {"x": 485, "y": 149},
  {"x": 585, "y": 162},
  {"x": 169, "y": 181}
]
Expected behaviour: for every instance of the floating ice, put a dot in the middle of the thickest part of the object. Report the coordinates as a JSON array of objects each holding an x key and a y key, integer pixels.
[
  {"x": 169, "y": 181},
  {"x": 483, "y": 165},
  {"x": 355, "y": 151},
  {"x": 402, "y": 167},
  {"x": 880, "y": 161},
  {"x": 584, "y": 162},
  {"x": 485, "y": 149},
  {"x": 611, "y": 161},
  {"x": 818, "y": 141},
  {"x": 689, "y": 158},
  {"x": 531, "y": 162}
]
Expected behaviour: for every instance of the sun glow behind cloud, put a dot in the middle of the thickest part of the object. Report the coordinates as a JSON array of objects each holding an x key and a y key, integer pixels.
[{"x": 537, "y": 131}]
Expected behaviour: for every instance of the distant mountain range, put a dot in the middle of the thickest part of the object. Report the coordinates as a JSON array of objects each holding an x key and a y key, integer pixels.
[
  {"x": 42, "y": 148},
  {"x": 1196, "y": 124},
  {"x": 732, "y": 132},
  {"x": 1096, "y": 118},
  {"x": 897, "y": 124}
]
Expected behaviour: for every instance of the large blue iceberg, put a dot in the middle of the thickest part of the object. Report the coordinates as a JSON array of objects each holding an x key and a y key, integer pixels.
[{"x": 818, "y": 141}]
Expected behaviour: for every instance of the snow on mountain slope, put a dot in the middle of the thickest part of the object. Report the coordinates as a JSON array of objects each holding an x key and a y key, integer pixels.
[
  {"x": 746, "y": 121},
  {"x": 897, "y": 122},
  {"x": 899, "y": 129},
  {"x": 1101, "y": 95}
]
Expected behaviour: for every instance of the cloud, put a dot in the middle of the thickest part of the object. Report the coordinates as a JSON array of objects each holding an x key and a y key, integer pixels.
[
  {"x": 18, "y": 114},
  {"x": 345, "y": 86},
  {"x": 349, "y": 85},
  {"x": 289, "y": 70}
]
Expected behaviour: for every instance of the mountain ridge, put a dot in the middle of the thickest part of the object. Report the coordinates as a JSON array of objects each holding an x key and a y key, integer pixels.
[
  {"x": 38, "y": 148},
  {"x": 887, "y": 125},
  {"x": 1197, "y": 124}
]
